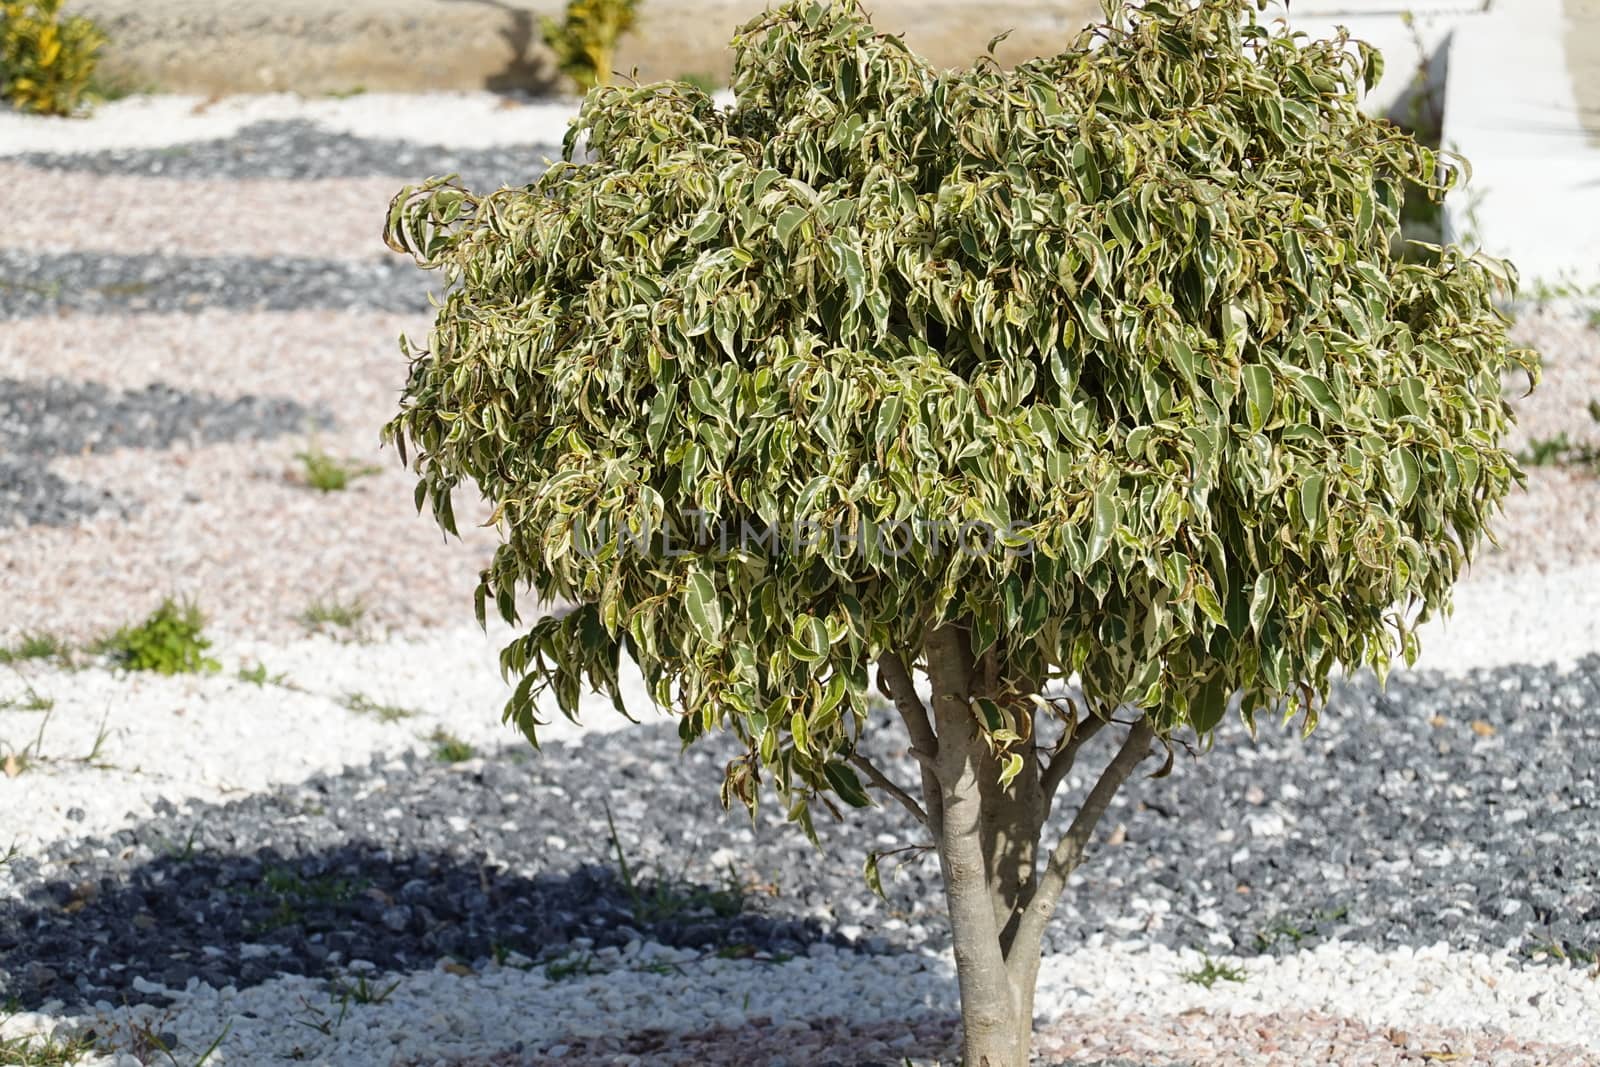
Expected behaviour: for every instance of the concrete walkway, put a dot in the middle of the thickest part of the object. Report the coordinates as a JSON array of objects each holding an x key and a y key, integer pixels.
[{"x": 1523, "y": 105}]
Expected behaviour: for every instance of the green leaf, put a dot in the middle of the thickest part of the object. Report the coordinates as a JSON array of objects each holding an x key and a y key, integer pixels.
[
  {"x": 1261, "y": 599},
  {"x": 1206, "y": 598},
  {"x": 809, "y": 640},
  {"x": 843, "y": 781},
  {"x": 1012, "y": 768},
  {"x": 873, "y": 877},
  {"x": 787, "y": 222},
  {"x": 1103, "y": 522},
  {"x": 1405, "y": 475},
  {"x": 1311, "y": 499},
  {"x": 703, "y": 607},
  {"x": 1258, "y": 395},
  {"x": 706, "y": 227},
  {"x": 852, "y": 270},
  {"x": 1086, "y": 171},
  {"x": 1208, "y": 707}
]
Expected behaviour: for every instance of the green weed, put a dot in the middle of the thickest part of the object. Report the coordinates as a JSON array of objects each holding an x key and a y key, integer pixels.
[
  {"x": 1212, "y": 972},
  {"x": 362, "y": 992},
  {"x": 42, "y": 1051},
  {"x": 258, "y": 676},
  {"x": 667, "y": 899},
  {"x": 363, "y": 705},
  {"x": 572, "y": 965},
  {"x": 331, "y": 611},
  {"x": 329, "y": 474},
  {"x": 30, "y": 700},
  {"x": 168, "y": 642},
  {"x": 33, "y": 646},
  {"x": 290, "y": 893},
  {"x": 448, "y": 748}
]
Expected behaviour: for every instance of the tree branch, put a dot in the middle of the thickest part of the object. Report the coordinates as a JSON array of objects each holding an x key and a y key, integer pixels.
[
  {"x": 1068, "y": 852},
  {"x": 893, "y": 670},
  {"x": 1066, "y": 754},
  {"x": 883, "y": 782}
]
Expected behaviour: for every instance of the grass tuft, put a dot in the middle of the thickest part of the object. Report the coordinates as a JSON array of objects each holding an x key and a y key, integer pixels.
[
  {"x": 30, "y": 700},
  {"x": 1212, "y": 972},
  {"x": 329, "y": 474},
  {"x": 665, "y": 899},
  {"x": 35, "y": 645},
  {"x": 364, "y": 705},
  {"x": 331, "y": 611},
  {"x": 258, "y": 676},
  {"x": 37, "y": 1050},
  {"x": 448, "y": 748},
  {"x": 168, "y": 642}
]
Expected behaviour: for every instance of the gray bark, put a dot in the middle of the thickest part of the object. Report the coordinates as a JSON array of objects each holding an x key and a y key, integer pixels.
[{"x": 988, "y": 840}]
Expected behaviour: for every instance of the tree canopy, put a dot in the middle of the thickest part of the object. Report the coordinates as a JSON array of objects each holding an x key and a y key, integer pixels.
[{"x": 1114, "y": 358}]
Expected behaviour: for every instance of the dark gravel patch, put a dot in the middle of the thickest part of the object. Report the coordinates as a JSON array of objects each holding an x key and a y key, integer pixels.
[
  {"x": 297, "y": 149},
  {"x": 1397, "y": 823},
  {"x": 46, "y": 283},
  {"x": 32, "y": 495},
  {"x": 42, "y": 420}
]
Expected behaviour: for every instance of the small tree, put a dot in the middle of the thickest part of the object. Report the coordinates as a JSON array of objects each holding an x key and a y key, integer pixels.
[{"x": 1103, "y": 369}]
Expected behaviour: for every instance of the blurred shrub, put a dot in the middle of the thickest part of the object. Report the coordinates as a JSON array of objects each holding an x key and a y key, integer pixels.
[
  {"x": 585, "y": 42},
  {"x": 46, "y": 62}
]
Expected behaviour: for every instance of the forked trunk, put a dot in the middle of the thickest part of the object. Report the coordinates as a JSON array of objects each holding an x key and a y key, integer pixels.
[{"x": 1000, "y": 885}]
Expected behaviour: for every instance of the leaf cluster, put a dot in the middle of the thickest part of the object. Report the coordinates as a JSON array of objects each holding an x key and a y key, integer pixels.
[
  {"x": 1122, "y": 327},
  {"x": 46, "y": 62}
]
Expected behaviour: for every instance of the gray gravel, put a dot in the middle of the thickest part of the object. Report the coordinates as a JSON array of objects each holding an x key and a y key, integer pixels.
[
  {"x": 1388, "y": 827},
  {"x": 303, "y": 150},
  {"x": 44, "y": 420},
  {"x": 34, "y": 283}
]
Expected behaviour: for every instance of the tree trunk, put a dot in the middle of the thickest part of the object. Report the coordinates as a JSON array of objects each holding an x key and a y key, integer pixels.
[
  {"x": 988, "y": 839},
  {"x": 992, "y": 1031}
]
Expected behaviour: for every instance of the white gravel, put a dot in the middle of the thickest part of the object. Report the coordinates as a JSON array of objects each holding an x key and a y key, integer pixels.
[
  {"x": 468, "y": 120},
  {"x": 435, "y": 1015},
  {"x": 465, "y": 120},
  {"x": 211, "y": 736},
  {"x": 1530, "y": 617}
]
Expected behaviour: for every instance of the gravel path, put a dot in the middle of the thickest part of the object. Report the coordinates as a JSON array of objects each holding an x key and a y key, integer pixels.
[
  {"x": 56, "y": 283},
  {"x": 292, "y": 861},
  {"x": 303, "y": 151},
  {"x": 72, "y": 211},
  {"x": 1464, "y": 811}
]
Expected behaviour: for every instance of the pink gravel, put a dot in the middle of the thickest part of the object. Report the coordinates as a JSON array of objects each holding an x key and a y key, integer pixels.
[
  {"x": 73, "y": 212},
  {"x": 233, "y": 525},
  {"x": 1194, "y": 1039}
]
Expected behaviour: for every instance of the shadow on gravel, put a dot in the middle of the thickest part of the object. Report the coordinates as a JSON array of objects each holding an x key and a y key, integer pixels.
[
  {"x": 1446, "y": 809},
  {"x": 298, "y": 150},
  {"x": 105, "y": 283},
  {"x": 243, "y": 919},
  {"x": 43, "y": 420}
]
